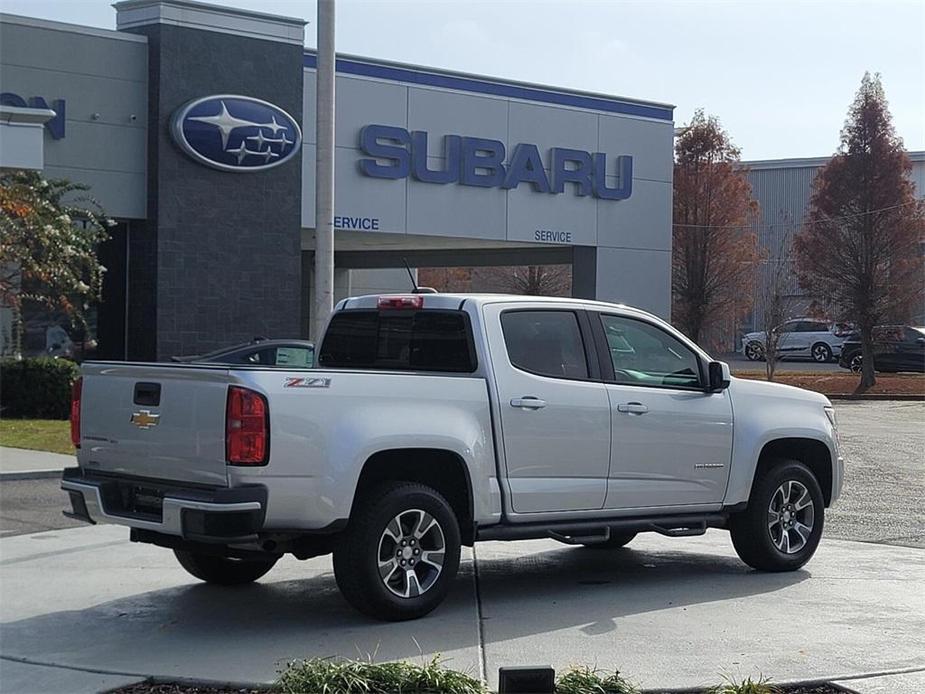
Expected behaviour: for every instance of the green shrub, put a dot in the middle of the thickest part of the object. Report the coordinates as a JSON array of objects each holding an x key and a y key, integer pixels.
[
  {"x": 341, "y": 676},
  {"x": 585, "y": 680},
  {"x": 37, "y": 388}
]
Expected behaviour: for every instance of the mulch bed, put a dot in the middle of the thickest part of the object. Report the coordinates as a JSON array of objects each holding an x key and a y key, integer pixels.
[{"x": 845, "y": 383}]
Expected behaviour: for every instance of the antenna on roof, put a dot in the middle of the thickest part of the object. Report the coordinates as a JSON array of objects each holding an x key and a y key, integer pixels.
[{"x": 414, "y": 282}]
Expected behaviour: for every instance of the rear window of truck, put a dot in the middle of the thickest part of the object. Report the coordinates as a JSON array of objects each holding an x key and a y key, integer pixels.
[{"x": 399, "y": 340}]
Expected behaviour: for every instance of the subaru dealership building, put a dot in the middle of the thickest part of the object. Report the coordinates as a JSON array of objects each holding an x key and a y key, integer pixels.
[{"x": 194, "y": 126}]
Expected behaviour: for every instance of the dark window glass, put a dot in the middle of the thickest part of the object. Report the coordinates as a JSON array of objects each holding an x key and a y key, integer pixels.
[
  {"x": 403, "y": 340},
  {"x": 547, "y": 343},
  {"x": 813, "y": 327},
  {"x": 643, "y": 354}
]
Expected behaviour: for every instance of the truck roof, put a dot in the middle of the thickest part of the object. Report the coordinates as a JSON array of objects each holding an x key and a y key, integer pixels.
[{"x": 456, "y": 300}]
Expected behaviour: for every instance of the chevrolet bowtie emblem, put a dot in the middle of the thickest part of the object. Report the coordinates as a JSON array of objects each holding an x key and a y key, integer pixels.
[{"x": 143, "y": 419}]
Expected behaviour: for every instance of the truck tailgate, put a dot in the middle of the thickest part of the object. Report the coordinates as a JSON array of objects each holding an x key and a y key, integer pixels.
[{"x": 156, "y": 421}]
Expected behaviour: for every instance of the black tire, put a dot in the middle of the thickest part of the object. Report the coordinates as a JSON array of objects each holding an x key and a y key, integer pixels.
[
  {"x": 757, "y": 541},
  {"x": 223, "y": 571},
  {"x": 821, "y": 353},
  {"x": 367, "y": 543},
  {"x": 616, "y": 541},
  {"x": 754, "y": 351}
]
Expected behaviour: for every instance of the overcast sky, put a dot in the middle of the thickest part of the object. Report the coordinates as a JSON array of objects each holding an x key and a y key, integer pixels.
[{"x": 780, "y": 74}]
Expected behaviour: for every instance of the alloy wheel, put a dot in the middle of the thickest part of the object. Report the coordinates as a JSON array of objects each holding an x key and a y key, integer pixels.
[
  {"x": 821, "y": 353},
  {"x": 856, "y": 363},
  {"x": 754, "y": 351},
  {"x": 411, "y": 553},
  {"x": 791, "y": 516}
]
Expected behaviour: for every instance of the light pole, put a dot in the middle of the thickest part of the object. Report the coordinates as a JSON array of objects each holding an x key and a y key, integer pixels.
[{"x": 323, "y": 286}]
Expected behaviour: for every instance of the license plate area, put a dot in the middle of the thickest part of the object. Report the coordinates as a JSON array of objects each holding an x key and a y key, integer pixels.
[{"x": 134, "y": 500}]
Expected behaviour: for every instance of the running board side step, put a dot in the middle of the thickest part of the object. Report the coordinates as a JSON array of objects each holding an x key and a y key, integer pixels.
[
  {"x": 579, "y": 539},
  {"x": 586, "y": 532}
]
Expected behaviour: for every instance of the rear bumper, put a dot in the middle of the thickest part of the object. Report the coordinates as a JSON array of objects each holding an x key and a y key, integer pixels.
[{"x": 221, "y": 515}]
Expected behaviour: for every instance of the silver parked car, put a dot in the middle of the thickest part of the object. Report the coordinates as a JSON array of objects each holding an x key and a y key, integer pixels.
[{"x": 804, "y": 338}]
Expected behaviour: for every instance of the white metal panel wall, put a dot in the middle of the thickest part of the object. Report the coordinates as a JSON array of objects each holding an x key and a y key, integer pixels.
[
  {"x": 102, "y": 77},
  {"x": 407, "y": 206}
]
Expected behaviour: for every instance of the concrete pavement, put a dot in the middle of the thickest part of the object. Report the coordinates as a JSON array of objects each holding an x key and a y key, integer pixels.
[
  {"x": 667, "y": 612},
  {"x": 24, "y": 464}
]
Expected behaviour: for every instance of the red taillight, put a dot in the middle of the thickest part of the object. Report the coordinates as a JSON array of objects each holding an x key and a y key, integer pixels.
[
  {"x": 410, "y": 301},
  {"x": 76, "y": 390},
  {"x": 247, "y": 428}
]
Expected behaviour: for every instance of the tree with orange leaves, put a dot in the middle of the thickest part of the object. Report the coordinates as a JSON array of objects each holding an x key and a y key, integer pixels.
[
  {"x": 714, "y": 252},
  {"x": 860, "y": 243}
]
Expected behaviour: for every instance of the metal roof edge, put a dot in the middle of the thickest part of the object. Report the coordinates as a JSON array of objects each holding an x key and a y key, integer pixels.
[
  {"x": 465, "y": 81},
  {"x": 809, "y": 162},
  {"x": 36, "y": 22}
]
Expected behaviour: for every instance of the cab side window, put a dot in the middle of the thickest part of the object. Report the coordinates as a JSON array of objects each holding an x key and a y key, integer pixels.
[
  {"x": 546, "y": 343},
  {"x": 293, "y": 356},
  {"x": 643, "y": 354}
]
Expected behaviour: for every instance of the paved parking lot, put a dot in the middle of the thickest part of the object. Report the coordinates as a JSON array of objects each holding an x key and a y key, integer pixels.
[
  {"x": 884, "y": 497},
  {"x": 84, "y": 609}
]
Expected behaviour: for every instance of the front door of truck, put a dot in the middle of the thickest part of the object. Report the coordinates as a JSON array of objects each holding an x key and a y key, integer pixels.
[
  {"x": 555, "y": 414},
  {"x": 672, "y": 441}
]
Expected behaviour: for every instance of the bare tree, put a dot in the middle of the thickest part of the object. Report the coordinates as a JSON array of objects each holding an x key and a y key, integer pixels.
[
  {"x": 529, "y": 280},
  {"x": 775, "y": 304}
]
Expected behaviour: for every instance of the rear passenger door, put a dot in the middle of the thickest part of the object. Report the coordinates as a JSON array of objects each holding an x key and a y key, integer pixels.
[{"x": 555, "y": 414}]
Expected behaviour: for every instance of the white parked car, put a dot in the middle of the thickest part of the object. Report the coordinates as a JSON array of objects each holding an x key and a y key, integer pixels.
[
  {"x": 800, "y": 338},
  {"x": 435, "y": 421}
]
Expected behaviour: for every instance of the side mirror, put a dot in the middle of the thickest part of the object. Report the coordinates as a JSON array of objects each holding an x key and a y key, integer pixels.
[{"x": 719, "y": 376}]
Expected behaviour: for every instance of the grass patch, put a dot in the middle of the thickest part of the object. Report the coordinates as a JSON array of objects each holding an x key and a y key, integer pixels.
[
  {"x": 340, "y": 676},
  {"x": 52, "y": 435},
  {"x": 747, "y": 686},
  {"x": 585, "y": 680}
]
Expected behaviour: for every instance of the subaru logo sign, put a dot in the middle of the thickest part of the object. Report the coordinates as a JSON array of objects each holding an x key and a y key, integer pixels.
[{"x": 236, "y": 133}]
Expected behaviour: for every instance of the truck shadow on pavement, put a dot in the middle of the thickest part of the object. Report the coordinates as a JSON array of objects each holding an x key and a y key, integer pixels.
[
  {"x": 244, "y": 633},
  {"x": 595, "y": 588}
]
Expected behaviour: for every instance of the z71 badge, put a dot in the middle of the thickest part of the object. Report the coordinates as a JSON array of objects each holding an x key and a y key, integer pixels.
[{"x": 303, "y": 382}]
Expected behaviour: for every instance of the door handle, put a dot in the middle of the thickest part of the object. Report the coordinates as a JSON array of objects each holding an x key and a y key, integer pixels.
[
  {"x": 632, "y": 408},
  {"x": 528, "y": 402}
]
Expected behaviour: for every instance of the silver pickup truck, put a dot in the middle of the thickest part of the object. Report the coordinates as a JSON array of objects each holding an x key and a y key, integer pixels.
[{"x": 433, "y": 421}]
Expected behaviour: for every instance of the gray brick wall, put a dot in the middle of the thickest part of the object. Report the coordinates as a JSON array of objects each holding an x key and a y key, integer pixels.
[{"x": 226, "y": 245}]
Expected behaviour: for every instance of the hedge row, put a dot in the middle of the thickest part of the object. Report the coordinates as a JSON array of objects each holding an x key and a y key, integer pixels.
[{"x": 36, "y": 388}]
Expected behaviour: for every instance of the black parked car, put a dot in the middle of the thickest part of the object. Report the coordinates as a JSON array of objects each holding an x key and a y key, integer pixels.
[
  {"x": 896, "y": 348},
  {"x": 260, "y": 352}
]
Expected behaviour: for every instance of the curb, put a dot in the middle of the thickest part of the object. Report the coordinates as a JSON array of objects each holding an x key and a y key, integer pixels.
[
  {"x": 30, "y": 475},
  {"x": 195, "y": 682},
  {"x": 788, "y": 684},
  {"x": 878, "y": 396}
]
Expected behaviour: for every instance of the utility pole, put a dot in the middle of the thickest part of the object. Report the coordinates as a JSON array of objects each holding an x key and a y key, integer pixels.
[{"x": 323, "y": 286}]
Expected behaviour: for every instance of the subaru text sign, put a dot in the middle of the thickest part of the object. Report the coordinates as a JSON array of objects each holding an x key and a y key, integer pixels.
[
  {"x": 236, "y": 133},
  {"x": 475, "y": 161}
]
